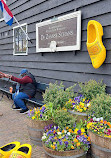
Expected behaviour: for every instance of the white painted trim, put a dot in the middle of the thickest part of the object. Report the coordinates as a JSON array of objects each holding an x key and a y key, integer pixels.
[
  {"x": 26, "y": 40},
  {"x": 61, "y": 18},
  {"x": 1, "y": 19}
]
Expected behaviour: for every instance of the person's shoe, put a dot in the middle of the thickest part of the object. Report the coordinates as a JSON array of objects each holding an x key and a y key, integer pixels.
[
  {"x": 16, "y": 108},
  {"x": 24, "y": 111}
]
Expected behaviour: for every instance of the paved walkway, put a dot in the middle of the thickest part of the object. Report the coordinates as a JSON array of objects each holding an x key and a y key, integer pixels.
[{"x": 13, "y": 128}]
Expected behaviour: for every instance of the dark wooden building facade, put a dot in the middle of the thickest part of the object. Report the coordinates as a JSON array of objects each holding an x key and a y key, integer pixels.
[{"x": 67, "y": 66}]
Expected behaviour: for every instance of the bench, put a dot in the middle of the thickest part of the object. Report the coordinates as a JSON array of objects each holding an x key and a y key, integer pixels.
[{"x": 37, "y": 100}]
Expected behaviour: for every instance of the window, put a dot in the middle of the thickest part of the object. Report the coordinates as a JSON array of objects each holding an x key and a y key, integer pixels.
[{"x": 20, "y": 42}]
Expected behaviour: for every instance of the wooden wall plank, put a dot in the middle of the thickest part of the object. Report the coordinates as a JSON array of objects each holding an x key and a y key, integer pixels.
[{"x": 69, "y": 67}]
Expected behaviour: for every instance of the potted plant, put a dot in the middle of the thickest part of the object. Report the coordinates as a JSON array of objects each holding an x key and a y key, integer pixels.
[
  {"x": 100, "y": 134},
  {"x": 78, "y": 107},
  {"x": 58, "y": 95},
  {"x": 68, "y": 139},
  {"x": 91, "y": 88},
  {"x": 38, "y": 119},
  {"x": 99, "y": 125}
]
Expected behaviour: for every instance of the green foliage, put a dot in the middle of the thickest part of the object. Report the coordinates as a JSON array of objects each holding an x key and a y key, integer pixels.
[
  {"x": 91, "y": 88},
  {"x": 64, "y": 119},
  {"x": 101, "y": 107},
  {"x": 50, "y": 110},
  {"x": 57, "y": 95}
]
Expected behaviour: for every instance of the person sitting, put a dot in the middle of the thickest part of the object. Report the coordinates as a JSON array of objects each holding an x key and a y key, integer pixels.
[{"x": 26, "y": 90}]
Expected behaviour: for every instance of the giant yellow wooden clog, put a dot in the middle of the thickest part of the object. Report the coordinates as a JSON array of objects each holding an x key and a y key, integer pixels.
[
  {"x": 24, "y": 151},
  {"x": 7, "y": 149},
  {"x": 96, "y": 49}
]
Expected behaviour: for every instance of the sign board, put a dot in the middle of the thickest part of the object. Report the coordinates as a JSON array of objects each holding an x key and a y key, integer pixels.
[{"x": 64, "y": 32}]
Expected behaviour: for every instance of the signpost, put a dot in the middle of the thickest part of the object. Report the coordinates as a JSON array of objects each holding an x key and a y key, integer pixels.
[{"x": 64, "y": 32}]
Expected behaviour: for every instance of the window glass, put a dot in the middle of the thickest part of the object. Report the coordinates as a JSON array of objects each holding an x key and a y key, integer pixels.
[{"x": 20, "y": 41}]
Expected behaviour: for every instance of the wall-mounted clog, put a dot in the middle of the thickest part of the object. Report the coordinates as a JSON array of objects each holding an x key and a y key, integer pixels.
[
  {"x": 6, "y": 150},
  {"x": 96, "y": 49},
  {"x": 24, "y": 151}
]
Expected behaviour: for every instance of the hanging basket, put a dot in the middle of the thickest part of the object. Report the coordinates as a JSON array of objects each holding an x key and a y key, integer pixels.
[
  {"x": 49, "y": 153},
  {"x": 79, "y": 115},
  {"x": 100, "y": 146},
  {"x": 36, "y": 129}
]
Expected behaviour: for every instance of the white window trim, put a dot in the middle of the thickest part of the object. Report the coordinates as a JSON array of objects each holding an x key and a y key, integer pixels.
[
  {"x": 26, "y": 40},
  {"x": 1, "y": 19}
]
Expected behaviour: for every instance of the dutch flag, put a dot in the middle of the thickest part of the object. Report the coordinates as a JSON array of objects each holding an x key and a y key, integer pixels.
[{"x": 8, "y": 16}]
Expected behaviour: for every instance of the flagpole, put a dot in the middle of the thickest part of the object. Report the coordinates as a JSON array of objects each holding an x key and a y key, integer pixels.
[{"x": 22, "y": 29}]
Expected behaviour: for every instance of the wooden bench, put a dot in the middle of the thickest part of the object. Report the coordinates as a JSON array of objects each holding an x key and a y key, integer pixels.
[{"x": 41, "y": 87}]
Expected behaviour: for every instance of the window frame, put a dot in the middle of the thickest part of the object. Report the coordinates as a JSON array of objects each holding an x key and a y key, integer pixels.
[
  {"x": 22, "y": 53},
  {"x": 1, "y": 19}
]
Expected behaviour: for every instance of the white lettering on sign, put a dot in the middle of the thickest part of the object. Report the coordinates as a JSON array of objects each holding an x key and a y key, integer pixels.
[{"x": 57, "y": 35}]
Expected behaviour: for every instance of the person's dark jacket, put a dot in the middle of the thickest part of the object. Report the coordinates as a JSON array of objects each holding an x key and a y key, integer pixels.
[{"x": 27, "y": 84}]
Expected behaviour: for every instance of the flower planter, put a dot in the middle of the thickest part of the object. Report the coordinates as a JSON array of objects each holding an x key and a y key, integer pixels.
[
  {"x": 79, "y": 115},
  {"x": 36, "y": 129},
  {"x": 49, "y": 153},
  {"x": 100, "y": 146}
]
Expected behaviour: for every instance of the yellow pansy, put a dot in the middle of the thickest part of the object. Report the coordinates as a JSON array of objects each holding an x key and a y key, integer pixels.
[
  {"x": 75, "y": 140},
  {"x": 82, "y": 104},
  {"x": 89, "y": 125},
  {"x": 72, "y": 147},
  {"x": 80, "y": 110},
  {"x": 83, "y": 100},
  {"x": 33, "y": 117},
  {"x": 84, "y": 108},
  {"x": 78, "y": 144},
  {"x": 77, "y": 107},
  {"x": 75, "y": 131},
  {"x": 82, "y": 130}
]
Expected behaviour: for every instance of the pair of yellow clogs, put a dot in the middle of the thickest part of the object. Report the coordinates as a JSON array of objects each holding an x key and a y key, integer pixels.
[
  {"x": 96, "y": 49},
  {"x": 15, "y": 150}
]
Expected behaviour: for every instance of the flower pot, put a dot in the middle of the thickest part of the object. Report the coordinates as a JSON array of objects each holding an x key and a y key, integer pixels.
[
  {"x": 36, "y": 129},
  {"x": 49, "y": 153},
  {"x": 79, "y": 115},
  {"x": 100, "y": 146}
]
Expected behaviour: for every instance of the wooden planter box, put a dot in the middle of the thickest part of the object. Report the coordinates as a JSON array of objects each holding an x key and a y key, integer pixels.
[
  {"x": 100, "y": 146},
  {"x": 64, "y": 154},
  {"x": 36, "y": 129},
  {"x": 79, "y": 115}
]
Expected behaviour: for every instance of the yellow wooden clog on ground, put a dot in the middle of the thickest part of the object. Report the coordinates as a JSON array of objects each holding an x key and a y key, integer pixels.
[
  {"x": 7, "y": 149},
  {"x": 96, "y": 49},
  {"x": 24, "y": 151}
]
